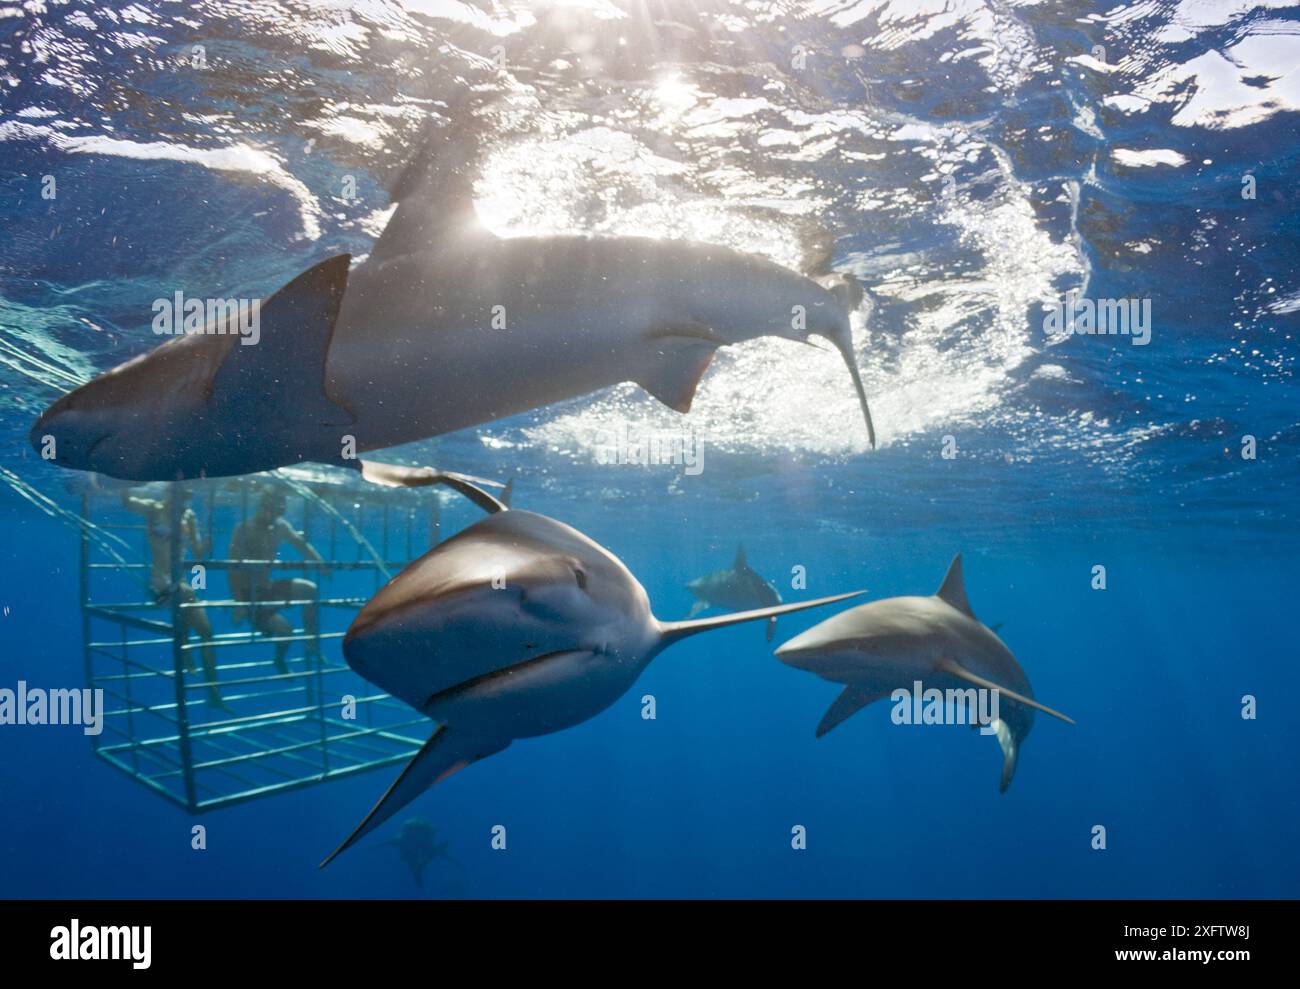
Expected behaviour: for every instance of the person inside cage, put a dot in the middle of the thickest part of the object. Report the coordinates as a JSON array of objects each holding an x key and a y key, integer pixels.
[
  {"x": 192, "y": 617},
  {"x": 257, "y": 539}
]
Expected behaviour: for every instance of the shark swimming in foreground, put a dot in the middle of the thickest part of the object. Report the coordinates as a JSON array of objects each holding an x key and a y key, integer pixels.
[
  {"x": 736, "y": 589},
  {"x": 515, "y": 627},
  {"x": 443, "y": 327},
  {"x": 418, "y": 845},
  {"x": 882, "y": 646}
]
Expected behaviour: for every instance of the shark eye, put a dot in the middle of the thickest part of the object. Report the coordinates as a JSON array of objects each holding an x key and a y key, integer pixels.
[{"x": 580, "y": 577}]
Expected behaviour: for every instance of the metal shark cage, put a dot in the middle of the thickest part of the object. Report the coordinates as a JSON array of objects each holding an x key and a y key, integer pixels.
[{"x": 283, "y": 730}]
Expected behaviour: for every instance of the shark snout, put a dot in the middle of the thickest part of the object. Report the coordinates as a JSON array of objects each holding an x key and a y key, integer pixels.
[
  {"x": 67, "y": 434},
  {"x": 801, "y": 643}
]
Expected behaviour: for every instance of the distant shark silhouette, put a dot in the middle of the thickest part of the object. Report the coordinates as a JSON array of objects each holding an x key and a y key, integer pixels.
[
  {"x": 445, "y": 326},
  {"x": 878, "y": 647},
  {"x": 736, "y": 589},
  {"x": 418, "y": 845},
  {"x": 515, "y": 627}
]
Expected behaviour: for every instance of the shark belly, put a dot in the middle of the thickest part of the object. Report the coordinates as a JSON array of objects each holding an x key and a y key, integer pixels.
[{"x": 444, "y": 355}]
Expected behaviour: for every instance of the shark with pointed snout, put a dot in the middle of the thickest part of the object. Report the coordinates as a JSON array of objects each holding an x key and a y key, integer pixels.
[
  {"x": 737, "y": 588},
  {"x": 877, "y": 648},
  {"x": 444, "y": 326},
  {"x": 418, "y": 845},
  {"x": 515, "y": 627}
]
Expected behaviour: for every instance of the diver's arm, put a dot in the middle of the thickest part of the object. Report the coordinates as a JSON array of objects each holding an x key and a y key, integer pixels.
[
  {"x": 190, "y": 525},
  {"x": 299, "y": 542},
  {"x": 134, "y": 503}
]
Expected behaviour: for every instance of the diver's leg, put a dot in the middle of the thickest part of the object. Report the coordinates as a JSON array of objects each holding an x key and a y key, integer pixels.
[
  {"x": 163, "y": 596},
  {"x": 197, "y": 619},
  {"x": 268, "y": 621},
  {"x": 305, "y": 590}
]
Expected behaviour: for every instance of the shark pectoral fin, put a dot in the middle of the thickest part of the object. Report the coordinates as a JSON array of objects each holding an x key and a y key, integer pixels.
[
  {"x": 957, "y": 670},
  {"x": 443, "y": 754},
  {"x": 279, "y": 379},
  {"x": 844, "y": 344},
  {"x": 398, "y": 475},
  {"x": 696, "y": 608},
  {"x": 852, "y": 699},
  {"x": 674, "y": 377},
  {"x": 672, "y": 631}
]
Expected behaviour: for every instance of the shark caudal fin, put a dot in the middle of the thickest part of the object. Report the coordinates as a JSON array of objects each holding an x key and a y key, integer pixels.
[
  {"x": 1010, "y": 753},
  {"x": 672, "y": 631},
  {"x": 443, "y": 754},
  {"x": 401, "y": 476},
  {"x": 279, "y": 384}
]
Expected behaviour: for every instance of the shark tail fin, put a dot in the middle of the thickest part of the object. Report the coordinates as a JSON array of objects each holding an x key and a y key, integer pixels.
[
  {"x": 442, "y": 755},
  {"x": 1010, "y": 753},
  {"x": 672, "y": 631},
  {"x": 400, "y": 476}
]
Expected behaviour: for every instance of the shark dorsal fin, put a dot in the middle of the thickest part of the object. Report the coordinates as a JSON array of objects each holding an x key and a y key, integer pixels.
[
  {"x": 953, "y": 588},
  {"x": 740, "y": 562},
  {"x": 286, "y": 368}
]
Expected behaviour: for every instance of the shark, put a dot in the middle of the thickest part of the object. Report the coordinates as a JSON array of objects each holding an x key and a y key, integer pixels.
[
  {"x": 418, "y": 845},
  {"x": 736, "y": 588},
  {"x": 882, "y": 646},
  {"x": 516, "y": 627},
  {"x": 444, "y": 326}
]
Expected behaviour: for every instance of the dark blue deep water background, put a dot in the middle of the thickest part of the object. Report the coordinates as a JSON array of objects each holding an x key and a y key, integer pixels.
[{"x": 1117, "y": 171}]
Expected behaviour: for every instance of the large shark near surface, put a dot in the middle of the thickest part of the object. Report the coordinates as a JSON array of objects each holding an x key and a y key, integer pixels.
[
  {"x": 876, "y": 648},
  {"x": 444, "y": 326},
  {"x": 515, "y": 627},
  {"x": 737, "y": 588}
]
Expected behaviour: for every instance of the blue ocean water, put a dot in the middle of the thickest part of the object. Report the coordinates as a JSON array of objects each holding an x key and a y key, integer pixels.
[{"x": 968, "y": 162}]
